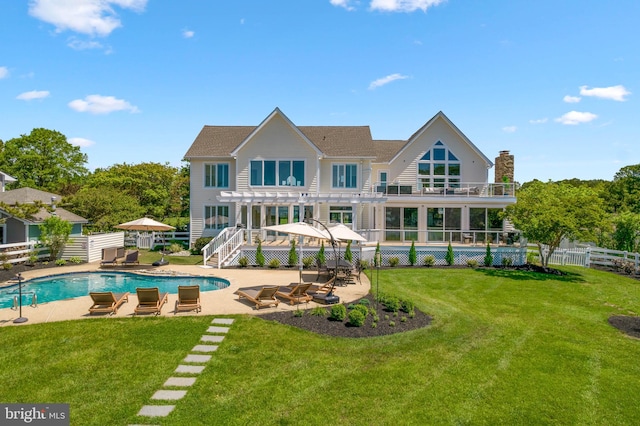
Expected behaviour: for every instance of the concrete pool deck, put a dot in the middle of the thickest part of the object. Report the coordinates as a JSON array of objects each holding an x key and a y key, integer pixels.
[{"x": 218, "y": 302}]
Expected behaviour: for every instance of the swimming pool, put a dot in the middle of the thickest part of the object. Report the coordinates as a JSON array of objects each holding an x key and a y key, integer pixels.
[{"x": 67, "y": 286}]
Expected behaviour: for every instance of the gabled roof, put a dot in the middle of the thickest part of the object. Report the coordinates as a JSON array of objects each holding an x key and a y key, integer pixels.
[
  {"x": 27, "y": 195},
  {"x": 428, "y": 124},
  {"x": 330, "y": 141},
  {"x": 386, "y": 150}
]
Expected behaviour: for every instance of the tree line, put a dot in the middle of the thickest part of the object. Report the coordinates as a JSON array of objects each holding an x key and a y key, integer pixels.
[{"x": 45, "y": 160}]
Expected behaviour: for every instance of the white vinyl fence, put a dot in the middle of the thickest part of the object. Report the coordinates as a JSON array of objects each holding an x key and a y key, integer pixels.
[{"x": 587, "y": 256}]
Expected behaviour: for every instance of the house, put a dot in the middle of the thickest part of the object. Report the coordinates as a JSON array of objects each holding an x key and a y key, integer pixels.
[
  {"x": 19, "y": 230},
  {"x": 432, "y": 188}
]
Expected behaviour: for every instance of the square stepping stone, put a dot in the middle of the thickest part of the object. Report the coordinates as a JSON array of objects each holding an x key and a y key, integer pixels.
[
  {"x": 197, "y": 358},
  {"x": 212, "y": 339},
  {"x": 180, "y": 381},
  {"x": 190, "y": 369},
  {"x": 156, "y": 410},
  {"x": 227, "y": 321},
  {"x": 205, "y": 348},
  {"x": 216, "y": 329},
  {"x": 169, "y": 394}
]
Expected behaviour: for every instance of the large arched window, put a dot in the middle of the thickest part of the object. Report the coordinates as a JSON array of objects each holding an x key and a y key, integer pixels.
[{"x": 439, "y": 168}]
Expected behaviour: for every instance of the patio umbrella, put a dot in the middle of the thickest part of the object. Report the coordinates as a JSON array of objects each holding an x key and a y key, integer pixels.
[
  {"x": 302, "y": 229},
  {"x": 344, "y": 233},
  {"x": 147, "y": 224}
]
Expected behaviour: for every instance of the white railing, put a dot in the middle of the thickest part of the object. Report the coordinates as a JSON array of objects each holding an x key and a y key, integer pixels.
[
  {"x": 21, "y": 252},
  {"x": 587, "y": 256},
  {"x": 212, "y": 247},
  {"x": 462, "y": 189},
  {"x": 148, "y": 240},
  {"x": 230, "y": 246}
]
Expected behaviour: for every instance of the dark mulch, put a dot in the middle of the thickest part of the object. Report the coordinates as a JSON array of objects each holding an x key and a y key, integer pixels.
[
  {"x": 628, "y": 325},
  {"x": 10, "y": 274},
  {"x": 323, "y": 325}
]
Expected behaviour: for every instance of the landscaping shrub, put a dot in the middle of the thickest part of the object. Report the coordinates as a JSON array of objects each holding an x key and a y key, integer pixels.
[
  {"x": 449, "y": 257},
  {"x": 407, "y": 306},
  {"x": 200, "y": 243},
  {"x": 293, "y": 254},
  {"x": 61, "y": 262},
  {"x": 365, "y": 302},
  {"x": 298, "y": 313},
  {"x": 320, "y": 257},
  {"x": 243, "y": 262},
  {"x": 74, "y": 259},
  {"x": 472, "y": 263},
  {"x": 356, "y": 318},
  {"x": 376, "y": 255},
  {"x": 488, "y": 257},
  {"x": 394, "y": 261},
  {"x": 307, "y": 261},
  {"x": 507, "y": 261},
  {"x": 259, "y": 255},
  {"x": 392, "y": 303},
  {"x": 318, "y": 311},
  {"x": 429, "y": 260},
  {"x": 274, "y": 264},
  {"x": 413, "y": 256},
  {"x": 362, "y": 309},
  {"x": 176, "y": 248},
  {"x": 532, "y": 258},
  {"x": 338, "y": 312},
  {"x": 348, "y": 256},
  {"x": 7, "y": 266}
]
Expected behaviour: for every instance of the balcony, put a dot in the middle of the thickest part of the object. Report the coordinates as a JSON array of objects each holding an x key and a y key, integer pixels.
[{"x": 468, "y": 189}]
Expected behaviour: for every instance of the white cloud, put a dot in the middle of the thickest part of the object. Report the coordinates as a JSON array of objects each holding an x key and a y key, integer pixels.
[
  {"x": 76, "y": 44},
  {"x": 91, "y": 17},
  {"x": 188, "y": 33},
  {"x": 615, "y": 93},
  {"x": 403, "y": 5},
  {"x": 4, "y": 72},
  {"x": 386, "y": 80},
  {"x": 575, "y": 117},
  {"x": 342, "y": 3},
  {"x": 572, "y": 99},
  {"x": 539, "y": 121},
  {"x": 82, "y": 142},
  {"x": 509, "y": 129},
  {"x": 97, "y": 104},
  {"x": 34, "y": 94}
]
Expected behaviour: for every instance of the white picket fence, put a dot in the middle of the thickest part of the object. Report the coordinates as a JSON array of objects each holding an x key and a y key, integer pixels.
[{"x": 587, "y": 256}]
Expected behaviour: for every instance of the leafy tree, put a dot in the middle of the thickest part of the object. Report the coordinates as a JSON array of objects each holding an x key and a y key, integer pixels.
[
  {"x": 413, "y": 256},
  {"x": 546, "y": 213},
  {"x": 348, "y": 256},
  {"x": 54, "y": 234},
  {"x": 43, "y": 159},
  {"x": 627, "y": 231},
  {"x": 624, "y": 193},
  {"x": 153, "y": 185},
  {"x": 449, "y": 257},
  {"x": 293, "y": 254},
  {"x": 23, "y": 211},
  {"x": 104, "y": 207}
]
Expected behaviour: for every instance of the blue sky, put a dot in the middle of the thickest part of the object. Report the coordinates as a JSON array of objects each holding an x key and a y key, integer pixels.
[{"x": 554, "y": 82}]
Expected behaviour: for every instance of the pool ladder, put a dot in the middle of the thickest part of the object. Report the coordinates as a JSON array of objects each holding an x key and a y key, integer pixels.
[{"x": 34, "y": 301}]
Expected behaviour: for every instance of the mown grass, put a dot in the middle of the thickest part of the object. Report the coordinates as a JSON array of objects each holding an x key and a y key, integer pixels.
[
  {"x": 504, "y": 348},
  {"x": 147, "y": 257}
]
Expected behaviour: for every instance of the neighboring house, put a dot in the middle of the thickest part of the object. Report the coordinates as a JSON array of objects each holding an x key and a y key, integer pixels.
[
  {"x": 433, "y": 187},
  {"x": 18, "y": 230}
]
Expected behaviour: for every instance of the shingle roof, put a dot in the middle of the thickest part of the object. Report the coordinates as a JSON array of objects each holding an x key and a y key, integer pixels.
[
  {"x": 61, "y": 213},
  {"x": 333, "y": 141},
  {"x": 27, "y": 195},
  {"x": 386, "y": 150}
]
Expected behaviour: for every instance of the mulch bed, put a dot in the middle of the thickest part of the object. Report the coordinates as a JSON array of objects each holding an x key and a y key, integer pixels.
[
  {"x": 326, "y": 326},
  {"x": 10, "y": 274},
  {"x": 628, "y": 325}
]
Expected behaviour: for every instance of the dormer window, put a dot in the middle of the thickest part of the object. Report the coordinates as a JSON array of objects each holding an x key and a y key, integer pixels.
[{"x": 439, "y": 167}]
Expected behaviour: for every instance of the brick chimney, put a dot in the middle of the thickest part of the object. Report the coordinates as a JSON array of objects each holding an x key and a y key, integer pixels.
[{"x": 504, "y": 169}]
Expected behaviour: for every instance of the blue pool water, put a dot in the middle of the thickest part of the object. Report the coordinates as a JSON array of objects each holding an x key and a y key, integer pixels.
[{"x": 66, "y": 286}]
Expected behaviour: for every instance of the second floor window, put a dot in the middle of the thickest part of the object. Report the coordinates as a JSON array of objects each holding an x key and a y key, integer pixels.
[
  {"x": 216, "y": 175},
  {"x": 277, "y": 173},
  {"x": 439, "y": 168},
  {"x": 344, "y": 176}
]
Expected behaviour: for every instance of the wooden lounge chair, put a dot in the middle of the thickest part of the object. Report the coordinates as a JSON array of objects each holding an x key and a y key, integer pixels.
[
  {"x": 109, "y": 256},
  {"x": 107, "y": 302},
  {"x": 150, "y": 300},
  {"x": 188, "y": 298},
  {"x": 264, "y": 297},
  {"x": 131, "y": 258},
  {"x": 296, "y": 294},
  {"x": 325, "y": 287}
]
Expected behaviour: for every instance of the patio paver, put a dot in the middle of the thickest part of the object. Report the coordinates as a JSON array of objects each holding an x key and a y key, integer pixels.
[
  {"x": 197, "y": 358},
  {"x": 216, "y": 329},
  {"x": 156, "y": 410},
  {"x": 169, "y": 394},
  {"x": 180, "y": 381},
  {"x": 212, "y": 339},
  {"x": 190, "y": 369},
  {"x": 227, "y": 321},
  {"x": 204, "y": 348}
]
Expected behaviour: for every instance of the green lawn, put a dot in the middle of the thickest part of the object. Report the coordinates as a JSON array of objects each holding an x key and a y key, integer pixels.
[
  {"x": 504, "y": 348},
  {"x": 148, "y": 257}
]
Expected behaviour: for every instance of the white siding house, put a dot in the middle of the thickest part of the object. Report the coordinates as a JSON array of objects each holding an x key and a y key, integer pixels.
[{"x": 432, "y": 187}]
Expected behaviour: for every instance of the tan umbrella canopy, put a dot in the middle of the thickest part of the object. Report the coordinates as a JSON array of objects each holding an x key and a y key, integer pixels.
[
  {"x": 344, "y": 233},
  {"x": 145, "y": 224}
]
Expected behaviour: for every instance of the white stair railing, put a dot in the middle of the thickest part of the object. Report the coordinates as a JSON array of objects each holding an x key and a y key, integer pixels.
[
  {"x": 210, "y": 249},
  {"x": 230, "y": 246}
]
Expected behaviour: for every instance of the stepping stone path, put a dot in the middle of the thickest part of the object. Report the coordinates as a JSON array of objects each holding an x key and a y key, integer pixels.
[{"x": 216, "y": 332}]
